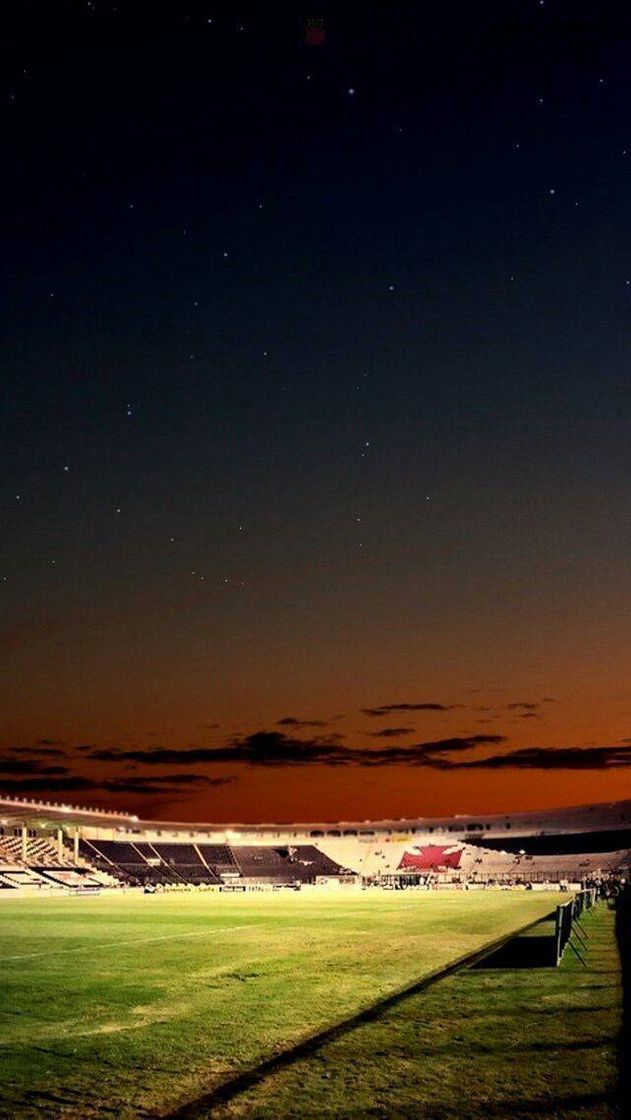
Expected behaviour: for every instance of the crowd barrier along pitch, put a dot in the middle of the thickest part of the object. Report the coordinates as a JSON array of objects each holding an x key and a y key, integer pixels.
[{"x": 567, "y": 918}]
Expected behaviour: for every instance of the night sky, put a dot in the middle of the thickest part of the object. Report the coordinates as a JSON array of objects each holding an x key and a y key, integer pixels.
[{"x": 314, "y": 407}]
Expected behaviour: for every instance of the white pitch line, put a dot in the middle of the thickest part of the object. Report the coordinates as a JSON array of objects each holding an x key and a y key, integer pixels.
[{"x": 132, "y": 941}]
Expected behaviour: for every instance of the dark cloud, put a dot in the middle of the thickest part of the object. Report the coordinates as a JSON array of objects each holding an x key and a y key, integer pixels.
[
  {"x": 384, "y": 709},
  {"x": 16, "y": 765},
  {"x": 73, "y": 783},
  {"x": 291, "y": 721},
  {"x": 69, "y": 784},
  {"x": 37, "y": 751},
  {"x": 527, "y": 705},
  {"x": 423, "y": 753},
  {"x": 167, "y": 783},
  {"x": 547, "y": 758},
  {"x": 177, "y": 779},
  {"x": 200, "y": 727},
  {"x": 274, "y": 748},
  {"x": 391, "y": 732},
  {"x": 528, "y": 715}
]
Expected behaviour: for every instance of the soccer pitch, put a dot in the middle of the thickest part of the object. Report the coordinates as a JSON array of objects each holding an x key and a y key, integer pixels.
[{"x": 127, "y": 1006}]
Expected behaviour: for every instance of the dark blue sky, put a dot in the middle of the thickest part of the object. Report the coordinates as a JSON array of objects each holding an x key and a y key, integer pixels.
[{"x": 315, "y": 381}]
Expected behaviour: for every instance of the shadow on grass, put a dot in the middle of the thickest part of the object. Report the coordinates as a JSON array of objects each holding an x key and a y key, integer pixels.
[{"x": 522, "y": 952}]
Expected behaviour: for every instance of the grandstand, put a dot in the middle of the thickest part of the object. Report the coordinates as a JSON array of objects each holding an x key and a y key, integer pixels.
[
  {"x": 191, "y": 987},
  {"x": 48, "y": 847}
]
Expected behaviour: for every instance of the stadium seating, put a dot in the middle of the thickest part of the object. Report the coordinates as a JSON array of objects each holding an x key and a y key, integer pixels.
[
  {"x": 39, "y": 852},
  {"x": 431, "y": 857},
  {"x": 219, "y": 858},
  {"x": 21, "y": 877},
  {"x": 44, "y": 868},
  {"x": 315, "y": 864},
  {"x": 369, "y": 857},
  {"x": 260, "y": 862},
  {"x": 303, "y": 863},
  {"x": 186, "y": 860},
  {"x": 122, "y": 859},
  {"x": 74, "y": 877},
  {"x": 144, "y": 863},
  {"x": 343, "y": 857}
]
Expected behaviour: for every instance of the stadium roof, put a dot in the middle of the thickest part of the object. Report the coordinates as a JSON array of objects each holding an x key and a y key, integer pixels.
[
  {"x": 19, "y": 809},
  {"x": 602, "y": 815}
]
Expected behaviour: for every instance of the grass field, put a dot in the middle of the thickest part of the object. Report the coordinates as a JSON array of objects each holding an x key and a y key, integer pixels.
[
  {"x": 483, "y": 1044},
  {"x": 127, "y": 1006}
]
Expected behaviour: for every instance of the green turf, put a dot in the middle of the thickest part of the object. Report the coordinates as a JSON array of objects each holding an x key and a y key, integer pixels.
[
  {"x": 126, "y": 1006},
  {"x": 484, "y": 1044}
]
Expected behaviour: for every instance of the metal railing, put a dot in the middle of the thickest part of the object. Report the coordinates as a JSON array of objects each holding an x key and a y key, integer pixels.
[{"x": 568, "y": 923}]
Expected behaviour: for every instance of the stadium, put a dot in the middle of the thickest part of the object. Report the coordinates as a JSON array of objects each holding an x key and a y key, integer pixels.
[{"x": 355, "y": 969}]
